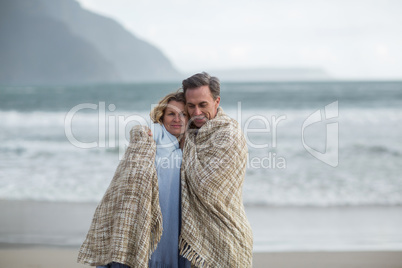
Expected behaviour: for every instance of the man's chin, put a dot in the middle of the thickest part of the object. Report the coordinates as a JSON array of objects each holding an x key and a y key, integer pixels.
[{"x": 199, "y": 123}]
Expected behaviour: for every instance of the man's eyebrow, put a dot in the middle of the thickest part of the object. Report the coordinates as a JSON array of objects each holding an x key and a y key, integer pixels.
[{"x": 203, "y": 102}]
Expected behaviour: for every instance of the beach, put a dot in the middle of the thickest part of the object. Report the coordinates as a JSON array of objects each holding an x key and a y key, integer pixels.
[
  {"x": 47, "y": 257},
  {"x": 56, "y": 162},
  {"x": 48, "y": 234}
]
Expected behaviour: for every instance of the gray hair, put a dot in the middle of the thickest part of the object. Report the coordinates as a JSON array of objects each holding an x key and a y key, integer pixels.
[{"x": 203, "y": 79}]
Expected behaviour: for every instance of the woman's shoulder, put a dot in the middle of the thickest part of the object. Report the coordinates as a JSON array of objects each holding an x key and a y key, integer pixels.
[{"x": 157, "y": 131}]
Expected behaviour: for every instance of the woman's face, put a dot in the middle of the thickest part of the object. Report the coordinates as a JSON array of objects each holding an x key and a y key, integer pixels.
[{"x": 175, "y": 118}]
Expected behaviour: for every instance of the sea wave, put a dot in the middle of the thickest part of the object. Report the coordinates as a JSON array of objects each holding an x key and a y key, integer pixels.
[{"x": 38, "y": 161}]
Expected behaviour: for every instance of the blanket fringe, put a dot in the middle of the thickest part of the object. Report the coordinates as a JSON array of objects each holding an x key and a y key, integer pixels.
[
  {"x": 156, "y": 234},
  {"x": 194, "y": 257}
]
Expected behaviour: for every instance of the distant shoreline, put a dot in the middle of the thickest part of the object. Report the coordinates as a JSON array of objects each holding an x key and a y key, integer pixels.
[{"x": 223, "y": 82}]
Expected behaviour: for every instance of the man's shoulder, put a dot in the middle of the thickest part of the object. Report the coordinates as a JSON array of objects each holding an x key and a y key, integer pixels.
[
  {"x": 226, "y": 122},
  {"x": 228, "y": 128}
]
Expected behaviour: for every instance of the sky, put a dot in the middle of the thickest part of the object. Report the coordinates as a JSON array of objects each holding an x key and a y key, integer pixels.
[{"x": 349, "y": 39}]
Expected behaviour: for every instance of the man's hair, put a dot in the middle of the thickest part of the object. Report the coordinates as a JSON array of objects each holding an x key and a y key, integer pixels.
[
  {"x": 158, "y": 111},
  {"x": 203, "y": 79}
]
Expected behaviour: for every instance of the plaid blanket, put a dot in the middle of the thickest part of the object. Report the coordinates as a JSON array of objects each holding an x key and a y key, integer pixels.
[
  {"x": 215, "y": 231},
  {"x": 127, "y": 224}
]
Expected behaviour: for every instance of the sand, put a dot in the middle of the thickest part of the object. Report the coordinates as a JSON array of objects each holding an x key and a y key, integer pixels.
[
  {"x": 48, "y": 234},
  {"x": 14, "y": 256}
]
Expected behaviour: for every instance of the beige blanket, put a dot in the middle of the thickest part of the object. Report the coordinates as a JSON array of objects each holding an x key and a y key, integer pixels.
[
  {"x": 127, "y": 224},
  {"x": 215, "y": 231}
]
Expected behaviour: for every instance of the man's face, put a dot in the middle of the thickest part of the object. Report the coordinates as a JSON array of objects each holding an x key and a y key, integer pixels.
[{"x": 201, "y": 105}]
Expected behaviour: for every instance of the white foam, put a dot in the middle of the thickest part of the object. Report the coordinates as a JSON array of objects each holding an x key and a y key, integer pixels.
[{"x": 38, "y": 162}]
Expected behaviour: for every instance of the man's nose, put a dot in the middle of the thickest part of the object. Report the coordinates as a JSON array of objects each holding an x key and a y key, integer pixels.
[{"x": 197, "y": 111}]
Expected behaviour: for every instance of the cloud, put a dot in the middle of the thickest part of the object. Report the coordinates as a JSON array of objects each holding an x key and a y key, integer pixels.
[{"x": 347, "y": 38}]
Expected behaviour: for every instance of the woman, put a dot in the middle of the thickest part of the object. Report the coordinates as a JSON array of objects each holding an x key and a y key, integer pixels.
[{"x": 143, "y": 198}]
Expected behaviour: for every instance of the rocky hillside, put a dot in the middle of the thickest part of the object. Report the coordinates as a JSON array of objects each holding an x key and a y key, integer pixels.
[{"x": 58, "y": 42}]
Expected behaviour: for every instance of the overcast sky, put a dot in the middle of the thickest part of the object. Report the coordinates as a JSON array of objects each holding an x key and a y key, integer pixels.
[{"x": 351, "y": 39}]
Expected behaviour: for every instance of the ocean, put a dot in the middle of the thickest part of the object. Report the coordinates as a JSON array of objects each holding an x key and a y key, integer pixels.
[
  {"x": 38, "y": 161},
  {"x": 310, "y": 144}
]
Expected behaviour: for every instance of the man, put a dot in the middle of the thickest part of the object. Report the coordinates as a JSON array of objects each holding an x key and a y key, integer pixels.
[
  {"x": 215, "y": 231},
  {"x": 202, "y": 94}
]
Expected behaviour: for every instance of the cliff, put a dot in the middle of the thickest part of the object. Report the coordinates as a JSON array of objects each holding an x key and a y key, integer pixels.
[{"x": 58, "y": 42}]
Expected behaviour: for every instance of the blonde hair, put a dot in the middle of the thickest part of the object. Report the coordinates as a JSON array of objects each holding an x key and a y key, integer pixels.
[{"x": 159, "y": 110}]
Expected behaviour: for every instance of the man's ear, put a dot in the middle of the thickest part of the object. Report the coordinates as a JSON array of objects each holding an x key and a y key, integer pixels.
[{"x": 217, "y": 101}]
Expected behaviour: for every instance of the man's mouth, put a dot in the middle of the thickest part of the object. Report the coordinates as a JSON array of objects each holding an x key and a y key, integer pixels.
[{"x": 199, "y": 119}]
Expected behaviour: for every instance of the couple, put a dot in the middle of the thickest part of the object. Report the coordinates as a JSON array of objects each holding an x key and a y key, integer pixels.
[{"x": 193, "y": 198}]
